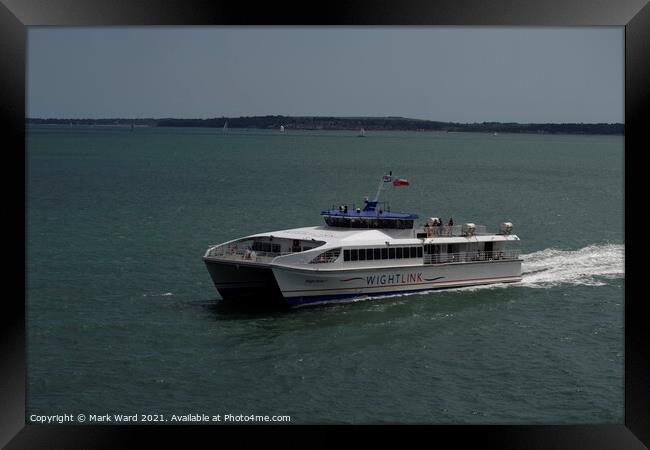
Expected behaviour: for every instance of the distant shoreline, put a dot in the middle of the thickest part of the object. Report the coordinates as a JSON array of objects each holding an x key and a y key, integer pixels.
[{"x": 326, "y": 123}]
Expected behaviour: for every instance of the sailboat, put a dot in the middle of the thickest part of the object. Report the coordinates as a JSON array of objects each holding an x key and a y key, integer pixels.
[
  {"x": 281, "y": 128},
  {"x": 225, "y": 127},
  {"x": 362, "y": 133}
]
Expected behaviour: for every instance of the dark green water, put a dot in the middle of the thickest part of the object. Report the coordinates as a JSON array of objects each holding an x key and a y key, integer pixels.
[{"x": 122, "y": 316}]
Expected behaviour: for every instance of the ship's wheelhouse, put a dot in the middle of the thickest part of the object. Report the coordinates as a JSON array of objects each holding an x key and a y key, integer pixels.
[{"x": 373, "y": 215}]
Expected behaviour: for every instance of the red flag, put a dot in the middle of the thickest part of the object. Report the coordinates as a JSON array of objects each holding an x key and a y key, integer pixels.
[{"x": 401, "y": 182}]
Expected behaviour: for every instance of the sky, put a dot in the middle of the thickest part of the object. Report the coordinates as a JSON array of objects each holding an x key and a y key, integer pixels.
[{"x": 457, "y": 74}]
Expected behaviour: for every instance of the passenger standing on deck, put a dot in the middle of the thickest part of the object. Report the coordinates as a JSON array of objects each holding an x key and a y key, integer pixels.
[
  {"x": 451, "y": 222},
  {"x": 427, "y": 229}
]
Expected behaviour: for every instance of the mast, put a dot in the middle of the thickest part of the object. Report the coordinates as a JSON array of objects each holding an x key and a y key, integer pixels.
[{"x": 384, "y": 179}]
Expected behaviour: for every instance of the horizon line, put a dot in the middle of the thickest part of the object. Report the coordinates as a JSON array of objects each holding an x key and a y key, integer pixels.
[{"x": 319, "y": 116}]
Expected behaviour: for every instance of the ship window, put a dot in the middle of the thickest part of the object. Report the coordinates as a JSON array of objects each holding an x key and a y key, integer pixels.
[
  {"x": 391, "y": 253},
  {"x": 384, "y": 253},
  {"x": 346, "y": 255},
  {"x": 328, "y": 256},
  {"x": 260, "y": 246},
  {"x": 337, "y": 221},
  {"x": 419, "y": 252},
  {"x": 354, "y": 254},
  {"x": 362, "y": 254},
  {"x": 398, "y": 253},
  {"x": 368, "y": 222},
  {"x": 377, "y": 252},
  {"x": 369, "y": 254},
  {"x": 414, "y": 252},
  {"x": 431, "y": 249}
]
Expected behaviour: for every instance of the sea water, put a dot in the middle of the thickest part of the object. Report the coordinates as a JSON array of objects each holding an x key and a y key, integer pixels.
[{"x": 123, "y": 319}]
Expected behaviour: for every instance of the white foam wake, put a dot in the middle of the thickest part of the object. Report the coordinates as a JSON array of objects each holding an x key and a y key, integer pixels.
[{"x": 590, "y": 266}]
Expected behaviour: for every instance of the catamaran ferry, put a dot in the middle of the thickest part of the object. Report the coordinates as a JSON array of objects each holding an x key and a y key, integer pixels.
[{"x": 359, "y": 252}]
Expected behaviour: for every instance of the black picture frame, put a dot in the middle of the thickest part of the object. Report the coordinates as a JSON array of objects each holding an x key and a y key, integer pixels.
[{"x": 16, "y": 15}]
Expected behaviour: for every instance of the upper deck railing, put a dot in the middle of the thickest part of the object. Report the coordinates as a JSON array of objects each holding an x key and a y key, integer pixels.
[
  {"x": 237, "y": 251},
  {"x": 451, "y": 231},
  {"x": 499, "y": 255}
]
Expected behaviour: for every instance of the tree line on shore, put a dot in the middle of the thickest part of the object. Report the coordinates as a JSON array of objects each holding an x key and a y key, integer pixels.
[{"x": 348, "y": 123}]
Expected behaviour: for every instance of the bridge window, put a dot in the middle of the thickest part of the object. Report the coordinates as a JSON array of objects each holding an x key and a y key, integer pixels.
[
  {"x": 327, "y": 257},
  {"x": 260, "y": 246}
]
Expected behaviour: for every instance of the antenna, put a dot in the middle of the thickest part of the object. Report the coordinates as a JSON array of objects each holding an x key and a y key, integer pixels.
[{"x": 384, "y": 179}]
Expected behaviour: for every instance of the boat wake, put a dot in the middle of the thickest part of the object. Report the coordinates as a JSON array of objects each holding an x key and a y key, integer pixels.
[
  {"x": 589, "y": 266},
  {"x": 593, "y": 265}
]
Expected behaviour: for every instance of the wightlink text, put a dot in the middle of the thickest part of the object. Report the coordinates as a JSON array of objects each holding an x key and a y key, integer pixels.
[{"x": 398, "y": 278}]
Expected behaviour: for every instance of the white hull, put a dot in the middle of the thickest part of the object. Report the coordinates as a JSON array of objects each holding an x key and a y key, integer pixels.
[{"x": 301, "y": 286}]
